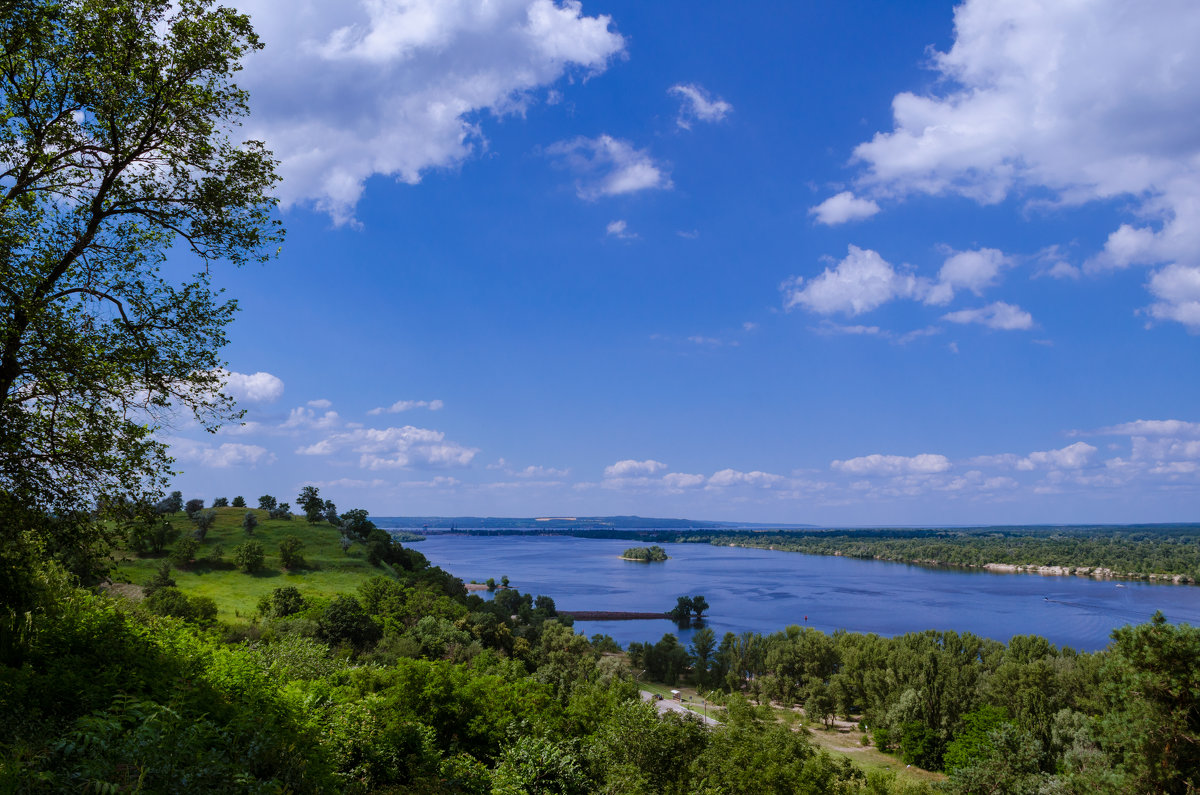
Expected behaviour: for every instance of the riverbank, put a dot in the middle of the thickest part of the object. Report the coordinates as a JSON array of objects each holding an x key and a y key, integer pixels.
[{"x": 611, "y": 615}]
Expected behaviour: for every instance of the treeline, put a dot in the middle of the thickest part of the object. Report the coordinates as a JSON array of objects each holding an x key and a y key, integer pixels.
[
  {"x": 1135, "y": 551},
  {"x": 1022, "y": 717},
  {"x": 1126, "y": 552}
]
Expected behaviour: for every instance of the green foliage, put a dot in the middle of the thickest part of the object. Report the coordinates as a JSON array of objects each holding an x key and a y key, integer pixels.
[
  {"x": 192, "y": 507},
  {"x": 283, "y": 602},
  {"x": 221, "y": 502},
  {"x": 161, "y": 579},
  {"x": 311, "y": 504},
  {"x": 249, "y": 522},
  {"x": 654, "y": 554},
  {"x": 184, "y": 553},
  {"x": 204, "y": 521},
  {"x": 239, "y": 502},
  {"x": 536, "y": 766},
  {"x": 290, "y": 552},
  {"x": 345, "y": 622},
  {"x": 249, "y": 556},
  {"x": 267, "y": 503},
  {"x": 170, "y": 602},
  {"x": 972, "y": 742}
]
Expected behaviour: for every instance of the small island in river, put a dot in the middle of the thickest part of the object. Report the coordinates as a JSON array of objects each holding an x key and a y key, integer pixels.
[{"x": 654, "y": 554}]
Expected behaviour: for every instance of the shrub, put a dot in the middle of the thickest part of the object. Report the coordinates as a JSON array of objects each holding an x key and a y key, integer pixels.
[
  {"x": 162, "y": 579},
  {"x": 204, "y": 520},
  {"x": 249, "y": 555},
  {"x": 249, "y": 522},
  {"x": 192, "y": 507},
  {"x": 221, "y": 502},
  {"x": 184, "y": 552},
  {"x": 171, "y": 602},
  {"x": 344, "y": 621},
  {"x": 289, "y": 552},
  {"x": 239, "y": 502}
]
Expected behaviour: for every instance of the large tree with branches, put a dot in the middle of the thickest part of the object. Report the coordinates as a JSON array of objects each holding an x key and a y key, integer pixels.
[{"x": 122, "y": 182}]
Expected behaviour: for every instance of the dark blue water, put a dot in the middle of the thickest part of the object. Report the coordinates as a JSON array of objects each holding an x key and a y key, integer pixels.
[{"x": 764, "y": 591}]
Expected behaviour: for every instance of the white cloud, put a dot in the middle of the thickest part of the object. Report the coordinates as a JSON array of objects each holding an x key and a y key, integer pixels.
[
  {"x": 619, "y": 229},
  {"x": 1153, "y": 428},
  {"x": 229, "y": 454},
  {"x": 998, "y": 315},
  {"x": 1144, "y": 449},
  {"x": 301, "y": 417},
  {"x": 320, "y": 403},
  {"x": 1177, "y": 288},
  {"x": 1070, "y": 457},
  {"x": 681, "y": 480},
  {"x": 732, "y": 477},
  {"x": 631, "y": 468},
  {"x": 843, "y": 207},
  {"x": 607, "y": 166},
  {"x": 348, "y": 90},
  {"x": 859, "y": 283},
  {"x": 408, "y": 405},
  {"x": 395, "y": 448},
  {"x": 698, "y": 105},
  {"x": 882, "y": 465},
  {"x": 532, "y": 471},
  {"x": 967, "y": 270},
  {"x": 257, "y": 387},
  {"x": 1085, "y": 100}
]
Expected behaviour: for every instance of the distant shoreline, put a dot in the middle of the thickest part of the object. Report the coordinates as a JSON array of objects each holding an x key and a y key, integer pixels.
[{"x": 611, "y": 615}]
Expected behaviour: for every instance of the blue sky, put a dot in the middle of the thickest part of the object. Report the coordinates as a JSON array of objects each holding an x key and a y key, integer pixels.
[{"x": 831, "y": 262}]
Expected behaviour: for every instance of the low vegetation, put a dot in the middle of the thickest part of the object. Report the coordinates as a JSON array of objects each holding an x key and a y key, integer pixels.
[{"x": 654, "y": 554}]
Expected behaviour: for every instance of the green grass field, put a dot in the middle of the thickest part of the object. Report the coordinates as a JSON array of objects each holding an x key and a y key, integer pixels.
[{"x": 328, "y": 570}]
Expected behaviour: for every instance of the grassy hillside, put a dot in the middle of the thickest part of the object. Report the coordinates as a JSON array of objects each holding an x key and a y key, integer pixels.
[{"x": 327, "y": 571}]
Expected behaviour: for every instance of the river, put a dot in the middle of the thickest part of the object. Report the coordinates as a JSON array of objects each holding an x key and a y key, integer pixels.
[{"x": 764, "y": 591}]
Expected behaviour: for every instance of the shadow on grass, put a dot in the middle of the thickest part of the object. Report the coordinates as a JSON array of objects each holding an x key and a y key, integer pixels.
[{"x": 263, "y": 574}]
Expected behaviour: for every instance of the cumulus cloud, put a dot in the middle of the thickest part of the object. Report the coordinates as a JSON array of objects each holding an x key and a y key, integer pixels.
[
  {"x": 395, "y": 448},
  {"x": 408, "y": 405},
  {"x": 843, "y": 207},
  {"x": 301, "y": 417},
  {"x": 224, "y": 456},
  {"x": 698, "y": 105},
  {"x": 967, "y": 270},
  {"x": 859, "y": 283},
  {"x": 1070, "y": 457},
  {"x": 349, "y": 90},
  {"x": 1084, "y": 101},
  {"x": 732, "y": 477},
  {"x": 1177, "y": 288},
  {"x": 680, "y": 481},
  {"x": 890, "y": 465},
  {"x": 257, "y": 387},
  {"x": 607, "y": 166},
  {"x": 999, "y": 315},
  {"x": 631, "y": 468}
]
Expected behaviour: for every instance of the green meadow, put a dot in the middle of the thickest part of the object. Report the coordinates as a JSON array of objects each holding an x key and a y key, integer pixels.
[{"x": 327, "y": 570}]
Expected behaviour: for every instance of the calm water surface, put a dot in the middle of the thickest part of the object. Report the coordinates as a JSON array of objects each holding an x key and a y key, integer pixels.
[{"x": 764, "y": 591}]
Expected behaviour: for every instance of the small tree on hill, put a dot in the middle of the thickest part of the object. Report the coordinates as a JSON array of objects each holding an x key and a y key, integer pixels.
[
  {"x": 204, "y": 521},
  {"x": 221, "y": 502},
  {"x": 185, "y": 552},
  {"x": 161, "y": 579},
  {"x": 239, "y": 502},
  {"x": 311, "y": 503},
  {"x": 289, "y": 552},
  {"x": 267, "y": 503},
  {"x": 192, "y": 507},
  {"x": 250, "y": 556},
  {"x": 281, "y": 511},
  {"x": 171, "y": 504},
  {"x": 331, "y": 514},
  {"x": 249, "y": 522}
]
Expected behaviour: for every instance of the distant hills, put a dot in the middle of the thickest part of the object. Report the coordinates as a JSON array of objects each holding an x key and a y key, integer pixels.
[{"x": 566, "y": 523}]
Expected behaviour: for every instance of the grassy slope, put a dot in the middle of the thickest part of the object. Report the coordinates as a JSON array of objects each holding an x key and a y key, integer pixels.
[{"x": 329, "y": 571}]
